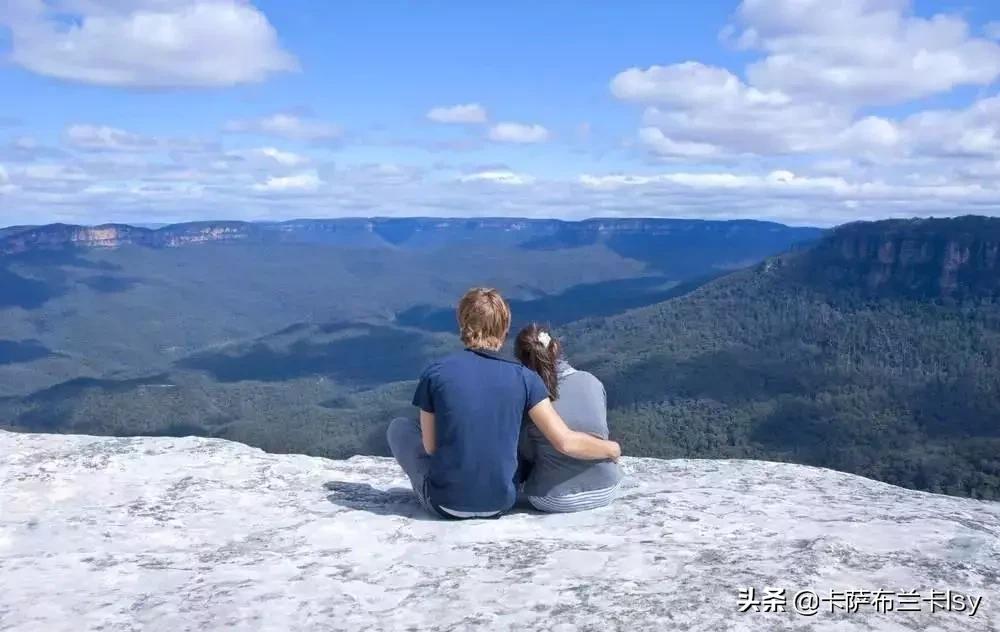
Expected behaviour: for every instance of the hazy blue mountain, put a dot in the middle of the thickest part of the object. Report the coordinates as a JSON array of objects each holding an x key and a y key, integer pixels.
[
  {"x": 300, "y": 335},
  {"x": 872, "y": 348}
]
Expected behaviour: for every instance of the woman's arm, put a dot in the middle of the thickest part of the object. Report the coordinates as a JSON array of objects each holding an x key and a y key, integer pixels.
[
  {"x": 427, "y": 435},
  {"x": 578, "y": 445}
]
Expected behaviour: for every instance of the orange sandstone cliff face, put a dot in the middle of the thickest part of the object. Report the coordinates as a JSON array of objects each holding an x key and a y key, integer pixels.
[
  {"x": 117, "y": 235},
  {"x": 208, "y": 234},
  {"x": 929, "y": 258}
]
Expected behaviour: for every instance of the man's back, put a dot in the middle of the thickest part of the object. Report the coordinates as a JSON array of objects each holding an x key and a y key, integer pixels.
[{"x": 478, "y": 398}]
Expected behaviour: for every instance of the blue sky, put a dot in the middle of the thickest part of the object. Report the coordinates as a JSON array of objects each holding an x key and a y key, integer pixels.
[{"x": 802, "y": 111}]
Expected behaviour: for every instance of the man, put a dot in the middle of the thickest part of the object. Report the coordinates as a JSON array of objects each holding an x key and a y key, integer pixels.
[{"x": 462, "y": 456}]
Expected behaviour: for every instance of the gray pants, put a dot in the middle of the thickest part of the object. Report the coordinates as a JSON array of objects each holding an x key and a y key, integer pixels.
[{"x": 408, "y": 449}]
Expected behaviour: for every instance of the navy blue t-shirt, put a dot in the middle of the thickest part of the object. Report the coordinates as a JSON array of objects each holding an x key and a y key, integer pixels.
[{"x": 478, "y": 399}]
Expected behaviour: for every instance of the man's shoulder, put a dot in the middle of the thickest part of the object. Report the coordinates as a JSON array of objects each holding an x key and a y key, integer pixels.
[
  {"x": 456, "y": 361},
  {"x": 432, "y": 368},
  {"x": 452, "y": 359},
  {"x": 468, "y": 359}
]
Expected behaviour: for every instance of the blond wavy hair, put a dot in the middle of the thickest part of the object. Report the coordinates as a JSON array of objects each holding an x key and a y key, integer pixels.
[{"x": 483, "y": 318}]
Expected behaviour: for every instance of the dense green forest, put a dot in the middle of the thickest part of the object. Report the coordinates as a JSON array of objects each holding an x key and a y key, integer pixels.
[
  {"x": 901, "y": 392},
  {"x": 894, "y": 375}
]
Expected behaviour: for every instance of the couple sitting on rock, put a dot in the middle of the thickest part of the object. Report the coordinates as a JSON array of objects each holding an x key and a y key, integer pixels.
[{"x": 491, "y": 427}]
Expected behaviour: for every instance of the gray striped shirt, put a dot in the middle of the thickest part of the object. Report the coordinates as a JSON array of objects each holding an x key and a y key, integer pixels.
[{"x": 582, "y": 404}]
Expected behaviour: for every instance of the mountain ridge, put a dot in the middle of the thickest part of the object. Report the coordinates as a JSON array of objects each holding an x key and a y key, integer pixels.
[{"x": 20, "y": 239}]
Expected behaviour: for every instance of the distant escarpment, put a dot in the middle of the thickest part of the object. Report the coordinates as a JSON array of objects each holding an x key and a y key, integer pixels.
[
  {"x": 922, "y": 259},
  {"x": 537, "y": 234},
  {"x": 52, "y": 236}
]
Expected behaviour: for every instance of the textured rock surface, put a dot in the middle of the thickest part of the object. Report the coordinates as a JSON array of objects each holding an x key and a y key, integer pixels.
[{"x": 192, "y": 534}]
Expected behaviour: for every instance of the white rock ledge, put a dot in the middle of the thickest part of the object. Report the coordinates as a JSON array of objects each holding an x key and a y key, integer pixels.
[{"x": 192, "y": 534}]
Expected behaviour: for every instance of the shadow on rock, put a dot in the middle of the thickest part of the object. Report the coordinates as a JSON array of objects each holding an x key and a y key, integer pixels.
[{"x": 398, "y": 501}]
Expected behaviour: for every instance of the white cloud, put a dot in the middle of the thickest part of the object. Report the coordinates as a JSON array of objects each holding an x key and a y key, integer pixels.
[
  {"x": 466, "y": 113},
  {"x": 145, "y": 43},
  {"x": 53, "y": 172},
  {"x": 139, "y": 187},
  {"x": 286, "y": 158},
  {"x": 817, "y": 200},
  {"x": 861, "y": 52},
  {"x": 661, "y": 145},
  {"x": 775, "y": 180},
  {"x": 973, "y": 132},
  {"x": 704, "y": 110},
  {"x": 498, "y": 177},
  {"x": 26, "y": 143},
  {"x": 518, "y": 133},
  {"x": 305, "y": 181},
  {"x": 5, "y": 186},
  {"x": 102, "y": 137},
  {"x": 992, "y": 30},
  {"x": 285, "y": 126},
  {"x": 690, "y": 84},
  {"x": 822, "y": 64},
  {"x": 269, "y": 155},
  {"x": 381, "y": 174}
]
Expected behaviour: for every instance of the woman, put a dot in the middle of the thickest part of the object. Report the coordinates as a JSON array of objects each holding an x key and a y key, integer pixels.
[{"x": 556, "y": 482}]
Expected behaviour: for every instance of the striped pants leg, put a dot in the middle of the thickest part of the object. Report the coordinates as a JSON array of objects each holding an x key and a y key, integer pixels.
[{"x": 580, "y": 501}]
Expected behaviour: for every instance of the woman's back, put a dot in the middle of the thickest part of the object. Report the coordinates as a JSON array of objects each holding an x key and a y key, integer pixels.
[{"x": 582, "y": 404}]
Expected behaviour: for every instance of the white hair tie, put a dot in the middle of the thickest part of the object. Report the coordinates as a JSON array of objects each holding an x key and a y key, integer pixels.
[{"x": 544, "y": 338}]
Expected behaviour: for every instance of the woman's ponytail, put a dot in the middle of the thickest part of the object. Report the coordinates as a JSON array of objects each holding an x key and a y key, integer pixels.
[{"x": 536, "y": 349}]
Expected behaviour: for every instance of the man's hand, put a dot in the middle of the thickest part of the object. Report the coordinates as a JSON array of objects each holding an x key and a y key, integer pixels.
[
  {"x": 579, "y": 445},
  {"x": 616, "y": 450}
]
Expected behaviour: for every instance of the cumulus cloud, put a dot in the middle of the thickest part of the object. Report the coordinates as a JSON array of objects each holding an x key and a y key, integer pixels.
[
  {"x": 305, "y": 181},
  {"x": 285, "y": 125},
  {"x": 518, "y": 133},
  {"x": 705, "y": 110},
  {"x": 821, "y": 66},
  {"x": 286, "y": 158},
  {"x": 690, "y": 84},
  {"x": 661, "y": 145},
  {"x": 972, "y": 132},
  {"x": 466, "y": 113},
  {"x": 863, "y": 52},
  {"x": 269, "y": 155},
  {"x": 145, "y": 43},
  {"x": 498, "y": 177}
]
